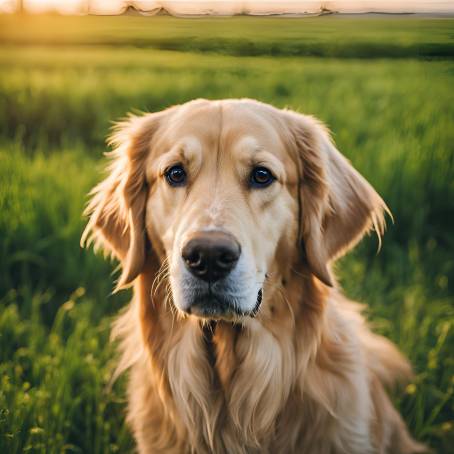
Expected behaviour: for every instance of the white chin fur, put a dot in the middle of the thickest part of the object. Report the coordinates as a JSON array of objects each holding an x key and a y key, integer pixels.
[{"x": 240, "y": 288}]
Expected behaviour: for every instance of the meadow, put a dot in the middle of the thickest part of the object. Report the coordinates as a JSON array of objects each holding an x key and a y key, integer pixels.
[{"x": 382, "y": 85}]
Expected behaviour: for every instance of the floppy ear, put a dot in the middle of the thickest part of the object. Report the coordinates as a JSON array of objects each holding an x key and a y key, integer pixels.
[
  {"x": 337, "y": 205},
  {"x": 117, "y": 206}
]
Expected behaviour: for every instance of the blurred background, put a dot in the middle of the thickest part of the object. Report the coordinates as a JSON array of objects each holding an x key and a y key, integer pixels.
[{"x": 383, "y": 83}]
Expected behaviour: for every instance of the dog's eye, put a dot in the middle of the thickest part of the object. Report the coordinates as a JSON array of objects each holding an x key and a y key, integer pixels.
[
  {"x": 176, "y": 176},
  {"x": 261, "y": 177}
]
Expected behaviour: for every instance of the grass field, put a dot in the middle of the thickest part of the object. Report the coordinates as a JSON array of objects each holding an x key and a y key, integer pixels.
[{"x": 63, "y": 81}]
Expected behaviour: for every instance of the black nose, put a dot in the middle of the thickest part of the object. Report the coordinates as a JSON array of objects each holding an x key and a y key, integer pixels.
[{"x": 211, "y": 255}]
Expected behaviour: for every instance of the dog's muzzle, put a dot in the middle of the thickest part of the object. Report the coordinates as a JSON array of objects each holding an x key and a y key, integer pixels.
[{"x": 210, "y": 257}]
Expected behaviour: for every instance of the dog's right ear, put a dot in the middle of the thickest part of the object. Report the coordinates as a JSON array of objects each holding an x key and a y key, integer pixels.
[
  {"x": 337, "y": 205},
  {"x": 117, "y": 206}
]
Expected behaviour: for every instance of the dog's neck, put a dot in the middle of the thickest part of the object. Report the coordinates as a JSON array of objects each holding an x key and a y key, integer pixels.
[
  {"x": 208, "y": 334},
  {"x": 216, "y": 372}
]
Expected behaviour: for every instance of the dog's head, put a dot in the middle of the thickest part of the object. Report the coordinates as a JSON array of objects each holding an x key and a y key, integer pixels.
[{"x": 229, "y": 195}]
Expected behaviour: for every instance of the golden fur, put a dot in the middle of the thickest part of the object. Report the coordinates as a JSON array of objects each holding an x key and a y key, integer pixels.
[{"x": 306, "y": 375}]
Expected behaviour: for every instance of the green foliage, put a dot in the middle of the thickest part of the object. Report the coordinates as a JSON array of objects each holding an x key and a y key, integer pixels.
[
  {"x": 54, "y": 393},
  {"x": 391, "y": 117},
  {"x": 329, "y": 36}
]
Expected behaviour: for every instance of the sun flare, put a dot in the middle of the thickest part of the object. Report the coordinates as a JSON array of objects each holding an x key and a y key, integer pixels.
[{"x": 230, "y": 7}]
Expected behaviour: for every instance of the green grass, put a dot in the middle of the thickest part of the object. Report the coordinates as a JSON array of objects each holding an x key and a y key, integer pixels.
[
  {"x": 391, "y": 116},
  {"x": 332, "y": 36}
]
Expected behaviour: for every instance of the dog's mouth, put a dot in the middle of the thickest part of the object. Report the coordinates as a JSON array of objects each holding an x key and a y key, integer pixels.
[{"x": 219, "y": 307}]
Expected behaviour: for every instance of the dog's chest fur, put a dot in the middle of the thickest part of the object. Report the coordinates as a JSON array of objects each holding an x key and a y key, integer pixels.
[{"x": 232, "y": 389}]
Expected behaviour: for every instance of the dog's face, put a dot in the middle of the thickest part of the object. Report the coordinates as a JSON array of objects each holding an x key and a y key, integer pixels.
[
  {"x": 221, "y": 204},
  {"x": 230, "y": 195}
]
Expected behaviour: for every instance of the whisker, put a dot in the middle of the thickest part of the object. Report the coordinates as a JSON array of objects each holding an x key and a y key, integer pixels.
[
  {"x": 161, "y": 275},
  {"x": 300, "y": 274}
]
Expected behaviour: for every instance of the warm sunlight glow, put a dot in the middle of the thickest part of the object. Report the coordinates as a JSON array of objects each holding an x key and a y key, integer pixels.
[
  {"x": 230, "y": 6},
  {"x": 75, "y": 6}
]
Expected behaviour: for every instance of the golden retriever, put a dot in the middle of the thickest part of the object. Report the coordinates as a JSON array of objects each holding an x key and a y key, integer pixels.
[{"x": 226, "y": 217}]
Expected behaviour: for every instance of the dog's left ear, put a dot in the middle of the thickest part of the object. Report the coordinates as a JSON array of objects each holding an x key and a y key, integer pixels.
[
  {"x": 337, "y": 204},
  {"x": 117, "y": 207}
]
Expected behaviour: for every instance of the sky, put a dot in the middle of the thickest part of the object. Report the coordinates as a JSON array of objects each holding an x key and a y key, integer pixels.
[{"x": 237, "y": 6}]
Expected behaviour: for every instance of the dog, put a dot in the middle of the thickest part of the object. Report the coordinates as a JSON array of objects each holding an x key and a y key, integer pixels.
[{"x": 226, "y": 217}]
